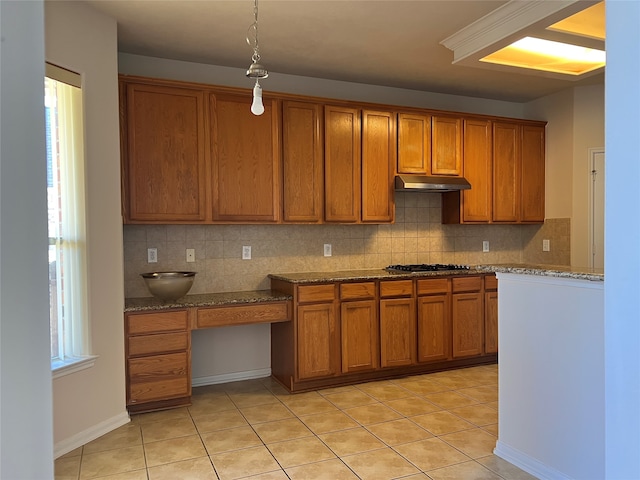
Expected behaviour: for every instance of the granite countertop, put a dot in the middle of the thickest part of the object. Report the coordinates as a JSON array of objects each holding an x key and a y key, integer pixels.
[
  {"x": 205, "y": 300},
  {"x": 559, "y": 271},
  {"x": 371, "y": 274}
]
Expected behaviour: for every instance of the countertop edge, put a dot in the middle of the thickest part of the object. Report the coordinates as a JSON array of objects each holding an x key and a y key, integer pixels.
[
  {"x": 359, "y": 275},
  {"x": 222, "y": 299},
  {"x": 544, "y": 271}
]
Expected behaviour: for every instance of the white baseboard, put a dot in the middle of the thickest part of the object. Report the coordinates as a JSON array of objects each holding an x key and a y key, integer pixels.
[
  {"x": 527, "y": 463},
  {"x": 230, "y": 377},
  {"x": 79, "y": 439}
]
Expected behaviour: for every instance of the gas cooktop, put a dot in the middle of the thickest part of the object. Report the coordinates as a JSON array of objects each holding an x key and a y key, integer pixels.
[{"x": 435, "y": 267}]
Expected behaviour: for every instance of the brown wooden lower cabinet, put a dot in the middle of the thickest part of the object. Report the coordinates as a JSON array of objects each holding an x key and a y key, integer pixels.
[
  {"x": 434, "y": 320},
  {"x": 467, "y": 315},
  {"x": 158, "y": 360},
  {"x": 490, "y": 314},
  {"x": 397, "y": 323},
  {"x": 467, "y": 324},
  {"x": 349, "y": 332},
  {"x": 359, "y": 335},
  {"x": 317, "y": 337}
]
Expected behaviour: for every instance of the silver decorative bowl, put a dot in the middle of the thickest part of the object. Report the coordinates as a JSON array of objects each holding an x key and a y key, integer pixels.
[{"x": 169, "y": 286}]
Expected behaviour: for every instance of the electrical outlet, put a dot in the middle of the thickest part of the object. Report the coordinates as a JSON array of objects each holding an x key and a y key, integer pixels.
[
  {"x": 191, "y": 255},
  {"x": 485, "y": 246},
  {"x": 327, "y": 249},
  {"x": 546, "y": 247},
  {"x": 152, "y": 255},
  {"x": 246, "y": 252}
]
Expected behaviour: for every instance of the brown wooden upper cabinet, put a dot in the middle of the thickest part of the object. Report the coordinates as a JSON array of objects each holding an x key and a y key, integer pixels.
[
  {"x": 533, "y": 174},
  {"x": 302, "y": 162},
  {"x": 164, "y": 153},
  {"x": 194, "y": 153},
  {"x": 504, "y": 163},
  {"x": 378, "y": 160},
  {"x": 342, "y": 164},
  {"x": 429, "y": 145},
  {"x": 518, "y": 173},
  {"x": 245, "y": 159},
  {"x": 414, "y": 143}
]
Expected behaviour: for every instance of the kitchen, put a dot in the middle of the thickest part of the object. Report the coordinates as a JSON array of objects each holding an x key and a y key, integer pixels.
[{"x": 106, "y": 407}]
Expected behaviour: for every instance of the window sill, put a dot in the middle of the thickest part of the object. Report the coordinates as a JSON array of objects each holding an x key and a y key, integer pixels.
[{"x": 61, "y": 368}]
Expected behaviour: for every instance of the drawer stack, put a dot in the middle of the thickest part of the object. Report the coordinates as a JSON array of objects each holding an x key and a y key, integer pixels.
[{"x": 158, "y": 352}]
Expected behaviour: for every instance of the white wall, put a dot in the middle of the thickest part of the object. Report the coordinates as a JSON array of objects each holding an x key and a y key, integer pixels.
[
  {"x": 622, "y": 241},
  {"x": 588, "y": 120},
  {"x": 575, "y": 124},
  {"x": 91, "y": 402},
  {"x": 551, "y": 403},
  {"x": 277, "y": 82},
  {"x": 25, "y": 363}
]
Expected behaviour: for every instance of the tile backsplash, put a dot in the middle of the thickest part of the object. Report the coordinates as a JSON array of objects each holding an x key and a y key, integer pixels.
[{"x": 417, "y": 237}]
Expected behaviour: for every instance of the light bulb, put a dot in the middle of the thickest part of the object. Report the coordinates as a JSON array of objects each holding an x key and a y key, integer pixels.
[{"x": 257, "y": 108}]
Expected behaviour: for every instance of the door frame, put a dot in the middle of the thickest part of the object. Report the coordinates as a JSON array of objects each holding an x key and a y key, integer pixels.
[{"x": 593, "y": 153}]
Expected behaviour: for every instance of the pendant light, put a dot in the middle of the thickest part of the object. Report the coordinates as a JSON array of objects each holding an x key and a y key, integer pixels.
[{"x": 256, "y": 70}]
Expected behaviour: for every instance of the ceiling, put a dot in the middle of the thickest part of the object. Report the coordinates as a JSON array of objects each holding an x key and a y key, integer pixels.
[{"x": 391, "y": 43}]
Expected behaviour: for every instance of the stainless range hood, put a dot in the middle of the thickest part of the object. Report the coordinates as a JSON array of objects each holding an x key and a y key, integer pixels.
[{"x": 422, "y": 183}]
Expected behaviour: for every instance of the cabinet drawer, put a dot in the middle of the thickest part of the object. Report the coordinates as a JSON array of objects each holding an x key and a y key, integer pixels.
[
  {"x": 316, "y": 293},
  {"x": 351, "y": 291},
  {"x": 490, "y": 282},
  {"x": 466, "y": 284},
  {"x": 141, "y": 323},
  {"x": 396, "y": 288},
  {"x": 433, "y": 286},
  {"x": 159, "y": 343},
  {"x": 242, "y": 315},
  {"x": 159, "y": 377}
]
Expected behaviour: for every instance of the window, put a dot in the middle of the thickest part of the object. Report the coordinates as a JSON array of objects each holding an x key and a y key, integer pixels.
[{"x": 66, "y": 207}]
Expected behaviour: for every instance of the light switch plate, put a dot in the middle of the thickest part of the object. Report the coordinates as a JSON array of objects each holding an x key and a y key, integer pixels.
[
  {"x": 246, "y": 252},
  {"x": 191, "y": 255}
]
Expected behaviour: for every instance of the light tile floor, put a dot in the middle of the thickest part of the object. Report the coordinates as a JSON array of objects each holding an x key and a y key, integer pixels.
[{"x": 440, "y": 426}]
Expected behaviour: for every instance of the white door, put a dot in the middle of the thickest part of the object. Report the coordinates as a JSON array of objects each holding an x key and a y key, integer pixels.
[{"x": 596, "y": 208}]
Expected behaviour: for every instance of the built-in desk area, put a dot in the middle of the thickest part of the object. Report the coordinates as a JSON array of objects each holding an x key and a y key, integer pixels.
[{"x": 158, "y": 339}]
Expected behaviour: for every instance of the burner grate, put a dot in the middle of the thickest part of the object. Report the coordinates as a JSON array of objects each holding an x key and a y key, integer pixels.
[{"x": 436, "y": 267}]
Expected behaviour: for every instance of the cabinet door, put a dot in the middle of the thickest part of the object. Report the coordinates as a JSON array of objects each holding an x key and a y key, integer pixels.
[
  {"x": 359, "y": 336},
  {"x": 165, "y": 154},
  {"x": 378, "y": 160},
  {"x": 476, "y": 202},
  {"x": 317, "y": 341},
  {"x": 434, "y": 328},
  {"x": 446, "y": 146},
  {"x": 491, "y": 322},
  {"x": 506, "y": 172},
  {"x": 414, "y": 144},
  {"x": 397, "y": 332},
  {"x": 245, "y": 155},
  {"x": 302, "y": 159},
  {"x": 533, "y": 176},
  {"x": 468, "y": 324},
  {"x": 342, "y": 164}
]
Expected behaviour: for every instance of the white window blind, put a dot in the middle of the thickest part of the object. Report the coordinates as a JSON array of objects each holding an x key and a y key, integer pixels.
[{"x": 70, "y": 336}]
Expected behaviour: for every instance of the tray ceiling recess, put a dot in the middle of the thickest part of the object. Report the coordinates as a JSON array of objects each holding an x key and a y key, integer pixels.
[{"x": 562, "y": 39}]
